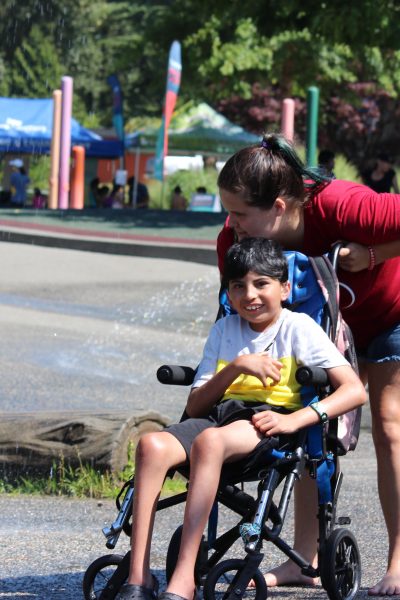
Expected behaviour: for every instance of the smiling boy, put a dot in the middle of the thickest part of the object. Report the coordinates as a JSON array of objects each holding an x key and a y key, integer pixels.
[{"x": 244, "y": 392}]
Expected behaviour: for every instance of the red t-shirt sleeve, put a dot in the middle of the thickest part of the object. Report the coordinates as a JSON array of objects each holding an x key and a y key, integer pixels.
[
  {"x": 350, "y": 212},
  {"x": 224, "y": 241}
]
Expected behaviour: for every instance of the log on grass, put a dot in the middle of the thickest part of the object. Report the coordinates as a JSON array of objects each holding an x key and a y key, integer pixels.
[{"x": 32, "y": 443}]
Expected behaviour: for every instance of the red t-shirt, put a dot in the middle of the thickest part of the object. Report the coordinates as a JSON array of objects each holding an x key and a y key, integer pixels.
[{"x": 369, "y": 300}]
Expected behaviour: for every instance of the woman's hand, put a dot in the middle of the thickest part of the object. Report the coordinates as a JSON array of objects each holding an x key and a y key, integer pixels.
[
  {"x": 259, "y": 365},
  {"x": 354, "y": 257},
  {"x": 270, "y": 422}
]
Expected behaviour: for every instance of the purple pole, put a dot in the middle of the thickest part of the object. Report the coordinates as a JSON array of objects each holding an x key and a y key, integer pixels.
[{"x": 65, "y": 147}]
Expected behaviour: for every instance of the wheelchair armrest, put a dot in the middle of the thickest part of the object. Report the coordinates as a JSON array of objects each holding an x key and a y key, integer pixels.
[
  {"x": 175, "y": 375},
  {"x": 312, "y": 376}
]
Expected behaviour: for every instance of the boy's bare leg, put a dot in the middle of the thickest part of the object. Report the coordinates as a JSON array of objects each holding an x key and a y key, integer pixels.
[
  {"x": 305, "y": 537},
  {"x": 210, "y": 450},
  {"x": 156, "y": 453},
  {"x": 384, "y": 394}
]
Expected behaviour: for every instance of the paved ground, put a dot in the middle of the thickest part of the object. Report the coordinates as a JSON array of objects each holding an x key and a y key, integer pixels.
[
  {"x": 47, "y": 544},
  {"x": 157, "y": 234},
  {"x": 83, "y": 330}
]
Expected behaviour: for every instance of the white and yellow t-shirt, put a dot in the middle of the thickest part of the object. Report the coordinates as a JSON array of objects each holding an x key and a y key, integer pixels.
[{"x": 295, "y": 340}]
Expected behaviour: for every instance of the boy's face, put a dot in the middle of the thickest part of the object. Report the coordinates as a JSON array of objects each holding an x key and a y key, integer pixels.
[{"x": 258, "y": 299}]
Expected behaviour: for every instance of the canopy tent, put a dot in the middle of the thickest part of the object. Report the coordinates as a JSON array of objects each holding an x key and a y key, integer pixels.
[
  {"x": 26, "y": 127},
  {"x": 201, "y": 130}
]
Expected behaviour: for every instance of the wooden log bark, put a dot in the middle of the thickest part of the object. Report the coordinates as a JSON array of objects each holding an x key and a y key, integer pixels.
[{"x": 30, "y": 443}]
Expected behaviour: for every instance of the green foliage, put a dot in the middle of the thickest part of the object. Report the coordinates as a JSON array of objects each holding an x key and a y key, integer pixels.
[
  {"x": 82, "y": 481},
  {"x": 345, "y": 169},
  {"x": 229, "y": 49},
  {"x": 35, "y": 70},
  {"x": 39, "y": 172}
]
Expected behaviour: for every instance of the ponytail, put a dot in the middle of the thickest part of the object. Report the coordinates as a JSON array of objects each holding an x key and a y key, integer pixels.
[{"x": 273, "y": 169}]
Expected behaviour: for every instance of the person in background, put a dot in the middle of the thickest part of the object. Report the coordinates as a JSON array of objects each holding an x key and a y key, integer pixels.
[
  {"x": 142, "y": 194},
  {"x": 382, "y": 177},
  {"x": 103, "y": 197},
  {"x": 19, "y": 181},
  {"x": 117, "y": 197},
  {"x": 38, "y": 199},
  {"x": 94, "y": 192},
  {"x": 326, "y": 163},
  {"x": 178, "y": 200}
]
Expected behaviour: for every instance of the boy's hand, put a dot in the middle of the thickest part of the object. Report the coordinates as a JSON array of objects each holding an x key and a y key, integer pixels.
[
  {"x": 270, "y": 422},
  {"x": 259, "y": 365}
]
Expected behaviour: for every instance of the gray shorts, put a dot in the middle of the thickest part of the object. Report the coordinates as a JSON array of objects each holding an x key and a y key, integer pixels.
[{"x": 226, "y": 412}]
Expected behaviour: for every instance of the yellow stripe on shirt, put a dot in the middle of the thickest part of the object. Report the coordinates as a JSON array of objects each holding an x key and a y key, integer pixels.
[{"x": 250, "y": 389}]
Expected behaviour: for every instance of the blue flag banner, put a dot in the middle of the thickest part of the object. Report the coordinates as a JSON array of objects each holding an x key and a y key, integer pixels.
[
  {"x": 173, "y": 83},
  {"x": 118, "y": 119}
]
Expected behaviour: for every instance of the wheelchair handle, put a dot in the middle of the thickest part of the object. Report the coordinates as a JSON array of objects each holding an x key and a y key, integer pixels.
[
  {"x": 312, "y": 376},
  {"x": 175, "y": 375}
]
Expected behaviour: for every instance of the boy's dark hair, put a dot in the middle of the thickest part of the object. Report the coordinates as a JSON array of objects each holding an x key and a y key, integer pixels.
[{"x": 258, "y": 255}]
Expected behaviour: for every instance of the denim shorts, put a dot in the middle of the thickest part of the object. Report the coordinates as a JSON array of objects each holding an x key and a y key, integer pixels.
[{"x": 384, "y": 348}]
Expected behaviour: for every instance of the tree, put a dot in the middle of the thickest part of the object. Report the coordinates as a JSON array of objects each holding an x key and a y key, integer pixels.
[{"x": 34, "y": 70}]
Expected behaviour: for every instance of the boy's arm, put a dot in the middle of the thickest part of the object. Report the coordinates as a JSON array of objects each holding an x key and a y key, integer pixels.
[
  {"x": 349, "y": 393},
  {"x": 202, "y": 399}
]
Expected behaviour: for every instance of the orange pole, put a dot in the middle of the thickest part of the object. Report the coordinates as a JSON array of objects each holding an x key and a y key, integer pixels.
[
  {"x": 55, "y": 151},
  {"x": 77, "y": 197}
]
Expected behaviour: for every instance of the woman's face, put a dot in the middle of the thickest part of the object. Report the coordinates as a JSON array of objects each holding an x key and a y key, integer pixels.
[{"x": 252, "y": 221}]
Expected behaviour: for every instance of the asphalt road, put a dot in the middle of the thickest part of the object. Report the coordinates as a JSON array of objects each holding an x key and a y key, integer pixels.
[
  {"x": 82, "y": 330},
  {"x": 47, "y": 543}
]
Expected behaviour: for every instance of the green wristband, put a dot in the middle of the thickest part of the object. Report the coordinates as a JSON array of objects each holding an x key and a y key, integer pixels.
[{"x": 323, "y": 417}]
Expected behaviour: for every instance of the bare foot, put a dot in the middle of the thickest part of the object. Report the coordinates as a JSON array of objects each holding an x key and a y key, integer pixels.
[
  {"x": 389, "y": 585},
  {"x": 288, "y": 573}
]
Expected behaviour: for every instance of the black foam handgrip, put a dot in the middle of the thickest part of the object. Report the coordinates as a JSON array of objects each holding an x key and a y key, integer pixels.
[
  {"x": 175, "y": 375},
  {"x": 312, "y": 376}
]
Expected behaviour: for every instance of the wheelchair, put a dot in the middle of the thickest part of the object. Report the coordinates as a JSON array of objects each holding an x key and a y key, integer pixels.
[{"x": 261, "y": 515}]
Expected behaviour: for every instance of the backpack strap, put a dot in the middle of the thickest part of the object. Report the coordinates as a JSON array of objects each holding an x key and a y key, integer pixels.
[{"x": 329, "y": 284}]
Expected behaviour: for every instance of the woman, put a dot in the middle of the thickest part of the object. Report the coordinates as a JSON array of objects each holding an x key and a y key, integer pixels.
[
  {"x": 382, "y": 177},
  {"x": 269, "y": 193}
]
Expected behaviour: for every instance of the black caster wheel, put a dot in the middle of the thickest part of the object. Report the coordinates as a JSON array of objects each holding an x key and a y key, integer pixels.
[
  {"x": 341, "y": 565},
  {"x": 220, "y": 582},
  {"x": 172, "y": 557},
  {"x": 98, "y": 574}
]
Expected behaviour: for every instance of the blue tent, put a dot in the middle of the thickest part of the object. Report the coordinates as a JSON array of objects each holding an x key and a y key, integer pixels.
[{"x": 26, "y": 127}]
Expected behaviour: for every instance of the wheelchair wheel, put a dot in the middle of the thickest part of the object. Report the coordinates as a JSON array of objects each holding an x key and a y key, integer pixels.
[
  {"x": 172, "y": 556},
  {"x": 341, "y": 568},
  {"x": 221, "y": 581},
  {"x": 98, "y": 574}
]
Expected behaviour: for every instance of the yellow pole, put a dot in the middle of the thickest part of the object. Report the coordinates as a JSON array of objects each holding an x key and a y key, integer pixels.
[{"x": 55, "y": 151}]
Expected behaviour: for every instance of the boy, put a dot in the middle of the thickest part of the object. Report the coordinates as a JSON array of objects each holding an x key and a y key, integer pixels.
[{"x": 244, "y": 392}]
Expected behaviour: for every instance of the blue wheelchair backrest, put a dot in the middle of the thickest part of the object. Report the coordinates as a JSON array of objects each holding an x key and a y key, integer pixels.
[{"x": 306, "y": 294}]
